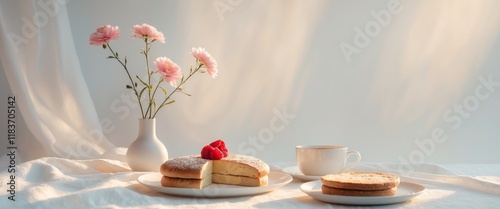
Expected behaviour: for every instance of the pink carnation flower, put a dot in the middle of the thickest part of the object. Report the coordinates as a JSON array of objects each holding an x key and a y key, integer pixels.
[
  {"x": 147, "y": 31},
  {"x": 104, "y": 34},
  {"x": 206, "y": 59},
  {"x": 168, "y": 70}
]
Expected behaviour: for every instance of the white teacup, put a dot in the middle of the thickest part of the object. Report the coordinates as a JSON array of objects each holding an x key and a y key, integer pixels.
[{"x": 319, "y": 160}]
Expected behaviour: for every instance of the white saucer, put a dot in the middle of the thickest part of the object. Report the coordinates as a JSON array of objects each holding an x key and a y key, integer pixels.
[
  {"x": 406, "y": 191},
  {"x": 295, "y": 173},
  {"x": 276, "y": 180}
]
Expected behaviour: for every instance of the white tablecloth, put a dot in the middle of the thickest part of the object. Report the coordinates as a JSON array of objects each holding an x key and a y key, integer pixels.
[{"x": 62, "y": 183}]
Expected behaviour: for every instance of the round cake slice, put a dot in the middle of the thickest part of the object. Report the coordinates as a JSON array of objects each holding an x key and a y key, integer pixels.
[
  {"x": 366, "y": 181},
  {"x": 195, "y": 172}
]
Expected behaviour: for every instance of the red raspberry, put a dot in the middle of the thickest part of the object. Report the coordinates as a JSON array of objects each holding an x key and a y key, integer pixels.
[
  {"x": 215, "y": 151},
  {"x": 216, "y": 154},
  {"x": 223, "y": 147},
  {"x": 222, "y": 143},
  {"x": 225, "y": 152},
  {"x": 216, "y": 143},
  {"x": 206, "y": 152}
]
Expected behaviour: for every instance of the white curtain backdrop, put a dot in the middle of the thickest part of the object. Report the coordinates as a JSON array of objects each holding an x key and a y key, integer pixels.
[{"x": 43, "y": 71}]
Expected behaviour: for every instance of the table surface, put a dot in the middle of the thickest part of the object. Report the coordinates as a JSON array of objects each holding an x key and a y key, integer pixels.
[{"x": 100, "y": 183}]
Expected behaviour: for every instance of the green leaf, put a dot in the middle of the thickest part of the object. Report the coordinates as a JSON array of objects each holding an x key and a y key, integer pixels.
[
  {"x": 135, "y": 84},
  {"x": 125, "y": 60},
  {"x": 129, "y": 87},
  {"x": 171, "y": 102},
  {"x": 184, "y": 92},
  {"x": 110, "y": 57},
  {"x": 164, "y": 90},
  {"x": 144, "y": 83},
  {"x": 116, "y": 54},
  {"x": 104, "y": 46}
]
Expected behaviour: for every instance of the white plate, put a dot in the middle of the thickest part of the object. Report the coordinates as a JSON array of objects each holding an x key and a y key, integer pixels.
[
  {"x": 276, "y": 180},
  {"x": 405, "y": 192},
  {"x": 295, "y": 172}
]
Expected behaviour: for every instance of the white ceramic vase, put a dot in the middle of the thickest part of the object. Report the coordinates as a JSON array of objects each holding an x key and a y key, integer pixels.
[{"x": 147, "y": 152}]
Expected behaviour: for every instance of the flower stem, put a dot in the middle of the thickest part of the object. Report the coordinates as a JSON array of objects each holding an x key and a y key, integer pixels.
[
  {"x": 130, "y": 78},
  {"x": 156, "y": 88},
  {"x": 150, "y": 106},
  {"x": 177, "y": 88}
]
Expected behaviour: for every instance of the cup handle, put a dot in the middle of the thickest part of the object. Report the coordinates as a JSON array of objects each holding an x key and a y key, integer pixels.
[{"x": 358, "y": 158}]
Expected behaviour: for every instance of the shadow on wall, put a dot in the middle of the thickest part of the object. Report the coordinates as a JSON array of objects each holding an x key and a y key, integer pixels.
[
  {"x": 264, "y": 54},
  {"x": 437, "y": 55}
]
